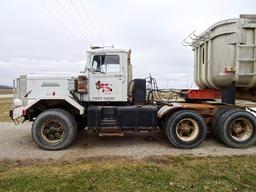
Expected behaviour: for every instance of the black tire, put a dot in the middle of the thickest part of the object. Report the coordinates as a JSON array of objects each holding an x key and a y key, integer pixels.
[
  {"x": 219, "y": 123},
  {"x": 215, "y": 120},
  {"x": 54, "y": 129},
  {"x": 238, "y": 129},
  {"x": 173, "y": 132}
]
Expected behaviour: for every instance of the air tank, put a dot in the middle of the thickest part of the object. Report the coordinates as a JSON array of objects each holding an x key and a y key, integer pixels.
[{"x": 226, "y": 53}]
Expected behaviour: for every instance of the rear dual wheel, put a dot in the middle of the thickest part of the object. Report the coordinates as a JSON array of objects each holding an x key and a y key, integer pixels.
[
  {"x": 216, "y": 120},
  {"x": 185, "y": 129},
  {"x": 236, "y": 128}
]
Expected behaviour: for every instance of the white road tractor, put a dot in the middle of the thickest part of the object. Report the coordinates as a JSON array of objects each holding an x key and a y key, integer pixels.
[{"x": 105, "y": 99}]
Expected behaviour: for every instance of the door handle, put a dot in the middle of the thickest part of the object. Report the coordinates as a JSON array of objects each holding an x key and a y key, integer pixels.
[{"x": 117, "y": 75}]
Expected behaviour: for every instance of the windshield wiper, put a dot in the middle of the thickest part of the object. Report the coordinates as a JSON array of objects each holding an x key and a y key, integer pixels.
[
  {"x": 100, "y": 71},
  {"x": 92, "y": 70}
]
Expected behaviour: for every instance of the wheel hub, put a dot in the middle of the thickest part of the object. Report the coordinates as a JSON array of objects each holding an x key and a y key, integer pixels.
[
  {"x": 187, "y": 129},
  {"x": 52, "y": 131},
  {"x": 241, "y": 129}
]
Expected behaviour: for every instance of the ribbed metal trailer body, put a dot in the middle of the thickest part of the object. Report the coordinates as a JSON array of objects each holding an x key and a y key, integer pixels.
[{"x": 226, "y": 53}]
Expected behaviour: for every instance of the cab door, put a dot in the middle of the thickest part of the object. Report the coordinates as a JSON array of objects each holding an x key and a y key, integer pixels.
[{"x": 107, "y": 78}]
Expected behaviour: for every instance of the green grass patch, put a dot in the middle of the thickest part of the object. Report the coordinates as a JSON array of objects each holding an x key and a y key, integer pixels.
[
  {"x": 237, "y": 173},
  {"x": 5, "y": 106}
]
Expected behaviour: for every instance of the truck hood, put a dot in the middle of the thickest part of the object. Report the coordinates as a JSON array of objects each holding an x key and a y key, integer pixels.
[{"x": 51, "y": 76}]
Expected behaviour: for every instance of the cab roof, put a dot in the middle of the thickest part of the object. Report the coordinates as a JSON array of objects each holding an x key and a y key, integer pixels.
[{"x": 106, "y": 50}]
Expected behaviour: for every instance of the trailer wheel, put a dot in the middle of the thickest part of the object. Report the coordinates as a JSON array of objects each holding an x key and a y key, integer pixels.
[
  {"x": 54, "y": 129},
  {"x": 186, "y": 129},
  {"x": 215, "y": 121},
  {"x": 237, "y": 129}
]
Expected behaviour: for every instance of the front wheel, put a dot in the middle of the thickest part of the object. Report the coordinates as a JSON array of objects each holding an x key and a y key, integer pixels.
[
  {"x": 54, "y": 129},
  {"x": 186, "y": 129}
]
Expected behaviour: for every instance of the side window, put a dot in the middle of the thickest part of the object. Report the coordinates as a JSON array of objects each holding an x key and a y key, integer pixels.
[{"x": 106, "y": 63}]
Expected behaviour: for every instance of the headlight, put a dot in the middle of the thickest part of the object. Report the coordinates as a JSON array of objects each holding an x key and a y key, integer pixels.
[{"x": 17, "y": 102}]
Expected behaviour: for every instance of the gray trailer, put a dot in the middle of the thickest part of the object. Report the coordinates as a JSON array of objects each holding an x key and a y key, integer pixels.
[{"x": 225, "y": 55}]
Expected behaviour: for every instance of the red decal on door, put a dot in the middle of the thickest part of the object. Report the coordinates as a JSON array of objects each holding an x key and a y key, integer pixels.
[{"x": 104, "y": 87}]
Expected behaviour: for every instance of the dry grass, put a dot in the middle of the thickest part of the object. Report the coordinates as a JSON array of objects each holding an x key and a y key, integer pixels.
[{"x": 5, "y": 106}]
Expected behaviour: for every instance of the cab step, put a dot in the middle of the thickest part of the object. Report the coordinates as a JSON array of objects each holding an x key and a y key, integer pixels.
[{"x": 109, "y": 134}]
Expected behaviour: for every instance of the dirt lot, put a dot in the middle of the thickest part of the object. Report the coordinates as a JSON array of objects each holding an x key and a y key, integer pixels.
[{"x": 17, "y": 144}]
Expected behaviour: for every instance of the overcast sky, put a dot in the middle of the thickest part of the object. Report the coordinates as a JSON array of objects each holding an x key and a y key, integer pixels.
[{"x": 50, "y": 36}]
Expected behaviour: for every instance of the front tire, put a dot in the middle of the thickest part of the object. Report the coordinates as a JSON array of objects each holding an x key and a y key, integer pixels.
[
  {"x": 186, "y": 129},
  {"x": 54, "y": 129}
]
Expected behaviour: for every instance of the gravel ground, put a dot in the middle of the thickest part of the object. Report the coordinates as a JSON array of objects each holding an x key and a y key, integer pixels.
[{"x": 16, "y": 143}]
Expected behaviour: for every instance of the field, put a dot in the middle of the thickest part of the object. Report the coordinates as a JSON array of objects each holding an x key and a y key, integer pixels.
[
  {"x": 5, "y": 91},
  {"x": 5, "y": 106},
  {"x": 181, "y": 173}
]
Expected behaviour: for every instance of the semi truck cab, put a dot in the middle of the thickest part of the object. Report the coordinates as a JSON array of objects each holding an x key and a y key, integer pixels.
[{"x": 107, "y": 73}]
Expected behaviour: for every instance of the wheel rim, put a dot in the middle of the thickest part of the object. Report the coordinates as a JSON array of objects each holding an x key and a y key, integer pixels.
[
  {"x": 241, "y": 129},
  {"x": 52, "y": 131},
  {"x": 187, "y": 129}
]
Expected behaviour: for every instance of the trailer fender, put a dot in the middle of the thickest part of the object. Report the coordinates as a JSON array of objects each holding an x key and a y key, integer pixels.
[{"x": 21, "y": 111}]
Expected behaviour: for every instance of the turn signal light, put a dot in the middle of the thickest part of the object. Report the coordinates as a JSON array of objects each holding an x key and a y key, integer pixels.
[{"x": 82, "y": 84}]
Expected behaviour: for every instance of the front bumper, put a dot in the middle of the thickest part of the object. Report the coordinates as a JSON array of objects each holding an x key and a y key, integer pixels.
[{"x": 17, "y": 114}]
